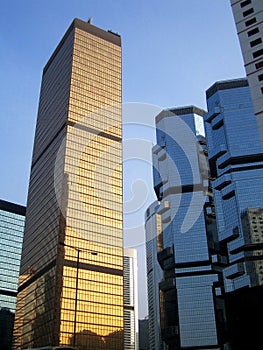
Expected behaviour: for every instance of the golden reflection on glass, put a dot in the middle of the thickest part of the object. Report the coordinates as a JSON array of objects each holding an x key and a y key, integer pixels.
[
  {"x": 73, "y": 246},
  {"x": 92, "y": 292}
]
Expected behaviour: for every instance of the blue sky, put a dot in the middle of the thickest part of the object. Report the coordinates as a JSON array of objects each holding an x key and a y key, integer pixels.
[{"x": 173, "y": 50}]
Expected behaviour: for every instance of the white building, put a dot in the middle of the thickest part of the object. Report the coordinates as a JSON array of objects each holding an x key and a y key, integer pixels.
[
  {"x": 248, "y": 15},
  {"x": 130, "y": 289}
]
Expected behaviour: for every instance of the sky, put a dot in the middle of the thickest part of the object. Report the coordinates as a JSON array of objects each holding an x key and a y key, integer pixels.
[{"x": 173, "y": 51}]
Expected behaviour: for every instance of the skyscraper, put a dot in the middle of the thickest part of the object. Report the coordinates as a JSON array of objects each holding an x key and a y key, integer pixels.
[
  {"x": 189, "y": 294},
  {"x": 12, "y": 220},
  {"x": 248, "y": 15},
  {"x": 235, "y": 156},
  {"x": 71, "y": 275},
  {"x": 130, "y": 291},
  {"x": 154, "y": 275}
]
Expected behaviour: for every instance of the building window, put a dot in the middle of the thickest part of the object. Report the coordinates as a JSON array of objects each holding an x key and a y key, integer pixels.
[
  {"x": 250, "y": 21},
  {"x": 258, "y": 53},
  {"x": 260, "y": 78},
  {"x": 252, "y": 32},
  {"x": 248, "y": 12},
  {"x": 245, "y": 3},
  {"x": 259, "y": 65},
  {"x": 262, "y": 90},
  {"x": 255, "y": 42}
]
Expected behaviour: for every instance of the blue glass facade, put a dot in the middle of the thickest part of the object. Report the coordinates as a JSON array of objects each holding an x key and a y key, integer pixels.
[
  {"x": 190, "y": 300},
  {"x": 236, "y": 163},
  {"x": 12, "y": 217},
  {"x": 235, "y": 156}
]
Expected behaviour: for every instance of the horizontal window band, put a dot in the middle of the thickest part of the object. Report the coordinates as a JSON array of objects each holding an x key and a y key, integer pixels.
[
  {"x": 192, "y": 264},
  {"x": 251, "y": 158},
  {"x": 37, "y": 275},
  {"x": 94, "y": 131},
  {"x": 51, "y": 141},
  {"x": 196, "y": 273},
  {"x": 249, "y": 247},
  {"x": 12, "y": 208},
  {"x": 229, "y": 195},
  {"x": 184, "y": 189},
  {"x": 92, "y": 267},
  {"x": 128, "y": 307},
  {"x": 9, "y": 293}
]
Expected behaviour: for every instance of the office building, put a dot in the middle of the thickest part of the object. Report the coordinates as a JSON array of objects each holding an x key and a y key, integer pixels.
[
  {"x": 154, "y": 275},
  {"x": 12, "y": 220},
  {"x": 236, "y": 164},
  {"x": 189, "y": 297},
  {"x": 130, "y": 292},
  {"x": 71, "y": 275},
  {"x": 248, "y": 16}
]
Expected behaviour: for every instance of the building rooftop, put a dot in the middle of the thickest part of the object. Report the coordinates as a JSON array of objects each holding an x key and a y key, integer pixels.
[
  {"x": 12, "y": 207},
  {"x": 89, "y": 28},
  {"x": 172, "y": 112},
  {"x": 225, "y": 85}
]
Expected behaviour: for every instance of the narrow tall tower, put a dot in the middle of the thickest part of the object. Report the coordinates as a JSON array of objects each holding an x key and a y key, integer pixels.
[
  {"x": 130, "y": 290},
  {"x": 71, "y": 275}
]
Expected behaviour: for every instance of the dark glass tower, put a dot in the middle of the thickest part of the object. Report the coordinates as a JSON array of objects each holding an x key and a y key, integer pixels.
[
  {"x": 191, "y": 308},
  {"x": 71, "y": 276},
  {"x": 236, "y": 161}
]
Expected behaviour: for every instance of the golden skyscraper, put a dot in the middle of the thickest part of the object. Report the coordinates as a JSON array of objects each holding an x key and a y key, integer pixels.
[{"x": 71, "y": 276}]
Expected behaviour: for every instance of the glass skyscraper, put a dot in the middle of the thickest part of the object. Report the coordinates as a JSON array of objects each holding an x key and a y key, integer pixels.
[
  {"x": 12, "y": 220},
  {"x": 154, "y": 275},
  {"x": 236, "y": 162},
  {"x": 189, "y": 297},
  {"x": 71, "y": 275}
]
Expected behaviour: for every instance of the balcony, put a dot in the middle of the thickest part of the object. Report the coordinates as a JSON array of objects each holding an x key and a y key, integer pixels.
[
  {"x": 235, "y": 271},
  {"x": 212, "y": 114}
]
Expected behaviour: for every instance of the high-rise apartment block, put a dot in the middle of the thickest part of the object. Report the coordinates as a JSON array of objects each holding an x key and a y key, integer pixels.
[
  {"x": 189, "y": 297},
  {"x": 71, "y": 275},
  {"x": 248, "y": 15},
  {"x": 236, "y": 163},
  {"x": 12, "y": 220},
  {"x": 130, "y": 292}
]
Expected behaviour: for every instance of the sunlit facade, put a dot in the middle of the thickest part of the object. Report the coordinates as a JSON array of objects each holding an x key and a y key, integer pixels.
[
  {"x": 71, "y": 276},
  {"x": 189, "y": 295},
  {"x": 12, "y": 221},
  {"x": 236, "y": 161}
]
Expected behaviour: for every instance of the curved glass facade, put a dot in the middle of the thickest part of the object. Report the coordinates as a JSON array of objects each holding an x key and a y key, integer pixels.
[
  {"x": 189, "y": 296},
  {"x": 235, "y": 156}
]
